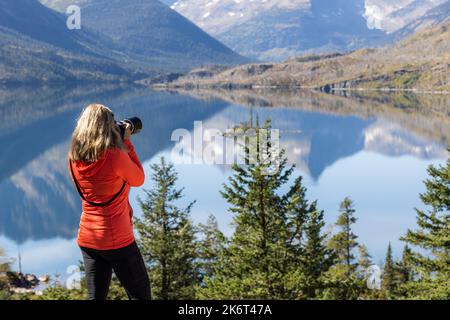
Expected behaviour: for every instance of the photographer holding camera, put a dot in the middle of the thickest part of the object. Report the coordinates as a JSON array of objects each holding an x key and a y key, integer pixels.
[{"x": 104, "y": 166}]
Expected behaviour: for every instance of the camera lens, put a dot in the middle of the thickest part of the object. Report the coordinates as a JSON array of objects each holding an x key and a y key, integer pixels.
[{"x": 135, "y": 124}]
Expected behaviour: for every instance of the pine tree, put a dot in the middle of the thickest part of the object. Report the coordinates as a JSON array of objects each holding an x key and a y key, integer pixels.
[
  {"x": 263, "y": 258},
  {"x": 298, "y": 211},
  {"x": 167, "y": 237},
  {"x": 405, "y": 272},
  {"x": 343, "y": 280},
  {"x": 307, "y": 242},
  {"x": 211, "y": 247},
  {"x": 344, "y": 242},
  {"x": 259, "y": 249},
  {"x": 316, "y": 258},
  {"x": 433, "y": 236},
  {"x": 364, "y": 260},
  {"x": 388, "y": 283}
]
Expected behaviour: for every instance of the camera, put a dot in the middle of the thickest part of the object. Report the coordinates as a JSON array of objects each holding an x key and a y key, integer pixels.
[{"x": 135, "y": 123}]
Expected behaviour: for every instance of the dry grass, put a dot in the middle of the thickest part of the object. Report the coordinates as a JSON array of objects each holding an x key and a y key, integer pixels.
[{"x": 420, "y": 63}]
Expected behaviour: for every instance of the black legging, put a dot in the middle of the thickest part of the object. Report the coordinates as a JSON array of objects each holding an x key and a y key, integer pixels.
[{"x": 128, "y": 266}]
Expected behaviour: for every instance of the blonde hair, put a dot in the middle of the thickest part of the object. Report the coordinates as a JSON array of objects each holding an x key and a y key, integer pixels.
[{"x": 94, "y": 134}]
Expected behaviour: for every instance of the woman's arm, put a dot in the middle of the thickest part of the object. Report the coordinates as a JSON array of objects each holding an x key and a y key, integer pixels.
[{"x": 127, "y": 165}]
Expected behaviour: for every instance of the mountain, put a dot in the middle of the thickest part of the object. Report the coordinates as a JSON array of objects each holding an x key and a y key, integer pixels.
[
  {"x": 216, "y": 17},
  {"x": 393, "y": 15},
  {"x": 400, "y": 66},
  {"x": 24, "y": 60},
  {"x": 433, "y": 17},
  {"x": 278, "y": 29},
  {"x": 151, "y": 32},
  {"x": 31, "y": 19},
  {"x": 334, "y": 127},
  {"x": 36, "y": 46}
]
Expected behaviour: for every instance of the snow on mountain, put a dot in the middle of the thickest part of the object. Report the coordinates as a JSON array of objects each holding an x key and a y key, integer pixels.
[
  {"x": 217, "y": 16},
  {"x": 276, "y": 29},
  {"x": 436, "y": 16},
  {"x": 392, "y": 15}
]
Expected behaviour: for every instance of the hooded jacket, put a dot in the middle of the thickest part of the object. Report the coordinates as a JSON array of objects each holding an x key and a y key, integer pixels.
[{"x": 108, "y": 227}]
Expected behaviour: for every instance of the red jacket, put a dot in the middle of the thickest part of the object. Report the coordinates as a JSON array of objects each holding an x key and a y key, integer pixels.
[{"x": 110, "y": 227}]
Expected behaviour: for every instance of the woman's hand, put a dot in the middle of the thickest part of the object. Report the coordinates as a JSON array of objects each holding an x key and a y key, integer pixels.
[{"x": 127, "y": 134}]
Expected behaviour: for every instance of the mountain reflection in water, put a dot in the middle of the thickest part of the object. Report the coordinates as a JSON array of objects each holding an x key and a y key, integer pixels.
[{"x": 317, "y": 131}]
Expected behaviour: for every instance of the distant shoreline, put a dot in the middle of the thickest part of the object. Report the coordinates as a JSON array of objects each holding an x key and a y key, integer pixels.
[{"x": 230, "y": 87}]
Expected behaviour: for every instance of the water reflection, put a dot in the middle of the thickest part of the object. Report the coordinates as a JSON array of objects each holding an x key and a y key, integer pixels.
[
  {"x": 36, "y": 192},
  {"x": 313, "y": 141},
  {"x": 320, "y": 133},
  {"x": 427, "y": 116},
  {"x": 38, "y": 201},
  {"x": 319, "y": 129}
]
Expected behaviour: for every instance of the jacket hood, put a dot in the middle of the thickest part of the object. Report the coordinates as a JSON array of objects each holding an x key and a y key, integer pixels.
[{"x": 88, "y": 169}]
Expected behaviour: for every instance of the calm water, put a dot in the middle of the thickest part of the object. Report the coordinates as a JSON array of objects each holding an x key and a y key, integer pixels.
[{"x": 374, "y": 150}]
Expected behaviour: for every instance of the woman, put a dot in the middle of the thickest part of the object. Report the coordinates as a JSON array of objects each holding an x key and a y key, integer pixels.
[{"x": 104, "y": 167}]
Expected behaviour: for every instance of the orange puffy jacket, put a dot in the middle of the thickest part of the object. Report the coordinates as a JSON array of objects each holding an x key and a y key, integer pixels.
[{"x": 111, "y": 226}]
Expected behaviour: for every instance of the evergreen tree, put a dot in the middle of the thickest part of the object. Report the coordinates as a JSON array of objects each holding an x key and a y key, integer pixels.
[
  {"x": 307, "y": 242},
  {"x": 260, "y": 252},
  {"x": 404, "y": 272},
  {"x": 364, "y": 260},
  {"x": 298, "y": 212},
  {"x": 316, "y": 258},
  {"x": 211, "y": 247},
  {"x": 433, "y": 236},
  {"x": 343, "y": 281},
  {"x": 404, "y": 267},
  {"x": 344, "y": 242},
  {"x": 388, "y": 283},
  {"x": 167, "y": 237},
  {"x": 263, "y": 258}
]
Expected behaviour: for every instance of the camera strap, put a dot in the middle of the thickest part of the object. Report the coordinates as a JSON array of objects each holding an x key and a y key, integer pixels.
[{"x": 104, "y": 204}]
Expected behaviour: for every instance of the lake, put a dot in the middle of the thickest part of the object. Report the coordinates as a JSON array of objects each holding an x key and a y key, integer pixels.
[{"x": 373, "y": 147}]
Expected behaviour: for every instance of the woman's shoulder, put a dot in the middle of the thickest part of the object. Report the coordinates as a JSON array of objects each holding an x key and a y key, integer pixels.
[
  {"x": 115, "y": 154},
  {"x": 115, "y": 150}
]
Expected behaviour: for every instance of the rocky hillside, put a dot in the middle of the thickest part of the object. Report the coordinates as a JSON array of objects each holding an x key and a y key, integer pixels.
[
  {"x": 119, "y": 41},
  {"x": 400, "y": 66},
  {"x": 278, "y": 29},
  {"x": 433, "y": 17},
  {"x": 393, "y": 15},
  {"x": 151, "y": 32},
  {"x": 36, "y": 47}
]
